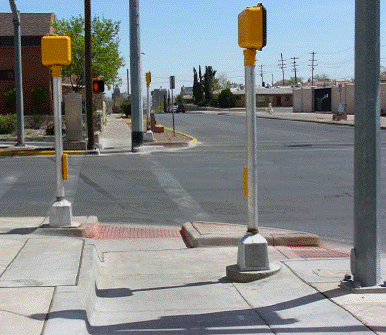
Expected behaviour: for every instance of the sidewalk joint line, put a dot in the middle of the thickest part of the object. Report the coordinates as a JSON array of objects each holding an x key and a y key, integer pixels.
[{"x": 18, "y": 253}]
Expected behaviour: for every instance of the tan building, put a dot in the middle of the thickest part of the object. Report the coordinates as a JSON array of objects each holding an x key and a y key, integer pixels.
[
  {"x": 328, "y": 99},
  {"x": 278, "y": 97},
  {"x": 33, "y": 27}
]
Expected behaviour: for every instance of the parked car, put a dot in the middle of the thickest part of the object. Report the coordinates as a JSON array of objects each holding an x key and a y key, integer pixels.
[
  {"x": 169, "y": 109},
  {"x": 180, "y": 109}
]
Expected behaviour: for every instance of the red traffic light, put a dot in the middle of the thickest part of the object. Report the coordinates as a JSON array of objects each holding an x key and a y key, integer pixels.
[{"x": 98, "y": 85}]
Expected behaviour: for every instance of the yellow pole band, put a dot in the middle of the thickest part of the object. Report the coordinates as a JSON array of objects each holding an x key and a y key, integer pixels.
[
  {"x": 64, "y": 167},
  {"x": 249, "y": 57},
  {"x": 56, "y": 71},
  {"x": 245, "y": 182}
]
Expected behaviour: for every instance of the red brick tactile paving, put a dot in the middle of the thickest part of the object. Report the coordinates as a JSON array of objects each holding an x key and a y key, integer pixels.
[
  {"x": 119, "y": 232},
  {"x": 317, "y": 252}
]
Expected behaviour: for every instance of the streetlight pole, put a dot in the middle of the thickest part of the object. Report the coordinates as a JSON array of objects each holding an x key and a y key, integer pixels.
[{"x": 18, "y": 74}]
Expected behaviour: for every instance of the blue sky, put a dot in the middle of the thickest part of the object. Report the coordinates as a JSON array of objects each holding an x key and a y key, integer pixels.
[{"x": 179, "y": 35}]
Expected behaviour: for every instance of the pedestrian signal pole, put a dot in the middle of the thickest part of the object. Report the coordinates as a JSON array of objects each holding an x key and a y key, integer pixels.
[
  {"x": 252, "y": 257},
  {"x": 149, "y": 134},
  {"x": 148, "y": 81},
  {"x": 172, "y": 80},
  {"x": 56, "y": 52}
]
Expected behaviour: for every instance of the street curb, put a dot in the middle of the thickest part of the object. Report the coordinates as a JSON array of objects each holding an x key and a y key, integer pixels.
[
  {"x": 338, "y": 123},
  {"x": 37, "y": 152},
  {"x": 81, "y": 224},
  {"x": 199, "y": 234}
]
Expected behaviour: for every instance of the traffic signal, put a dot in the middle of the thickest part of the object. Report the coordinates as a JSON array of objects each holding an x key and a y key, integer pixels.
[
  {"x": 253, "y": 28},
  {"x": 98, "y": 85}
]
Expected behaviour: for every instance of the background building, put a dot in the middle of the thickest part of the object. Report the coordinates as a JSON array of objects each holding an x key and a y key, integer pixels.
[
  {"x": 158, "y": 97},
  {"x": 328, "y": 99},
  {"x": 33, "y": 27}
]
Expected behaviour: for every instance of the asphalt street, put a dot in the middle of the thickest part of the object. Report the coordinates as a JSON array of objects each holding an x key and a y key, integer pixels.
[{"x": 305, "y": 179}]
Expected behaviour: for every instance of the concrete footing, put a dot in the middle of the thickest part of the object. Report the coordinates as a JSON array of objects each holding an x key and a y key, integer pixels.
[
  {"x": 149, "y": 136},
  {"x": 253, "y": 253},
  {"x": 233, "y": 273},
  {"x": 61, "y": 214}
]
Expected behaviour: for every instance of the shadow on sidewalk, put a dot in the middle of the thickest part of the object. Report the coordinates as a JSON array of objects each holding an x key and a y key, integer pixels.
[{"x": 240, "y": 321}]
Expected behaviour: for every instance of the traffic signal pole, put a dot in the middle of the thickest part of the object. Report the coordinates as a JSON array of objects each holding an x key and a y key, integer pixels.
[
  {"x": 18, "y": 74},
  {"x": 88, "y": 70},
  {"x": 365, "y": 257}
]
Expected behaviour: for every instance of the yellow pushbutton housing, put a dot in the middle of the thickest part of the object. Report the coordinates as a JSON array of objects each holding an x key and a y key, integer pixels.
[
  {"x": 56, "y": 50},
  {"x": 148, "y": 78},
  {"x": 253, "y": 27}
]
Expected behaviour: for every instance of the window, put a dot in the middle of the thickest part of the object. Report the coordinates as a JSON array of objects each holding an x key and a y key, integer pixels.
[{"x": 6, "y": 75}]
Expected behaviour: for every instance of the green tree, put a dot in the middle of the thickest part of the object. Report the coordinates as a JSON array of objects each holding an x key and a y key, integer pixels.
[
  {"x": 321, "y": 77},
  {"x": 200, "y": 93},
  {"x": 226, "y": 99},
  {"x": 292, "y": 81},
  {"x": 221, "y": 82},
  {"x": 106, "y": 60},
  {"x": 195, "y": 86},
  {"x": 208, "y": 83}
]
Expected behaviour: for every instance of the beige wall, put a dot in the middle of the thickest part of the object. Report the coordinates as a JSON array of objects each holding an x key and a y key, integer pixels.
[{"x": 302, "y": 98}]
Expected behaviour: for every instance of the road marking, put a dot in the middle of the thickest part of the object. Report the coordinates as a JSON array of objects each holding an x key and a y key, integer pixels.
[
  {"x": 7, "y": 181},
  {"x": 189, "y": 207}
]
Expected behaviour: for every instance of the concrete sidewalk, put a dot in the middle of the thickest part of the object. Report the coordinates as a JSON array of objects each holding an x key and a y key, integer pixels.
[{"x": 152, "y": 283}]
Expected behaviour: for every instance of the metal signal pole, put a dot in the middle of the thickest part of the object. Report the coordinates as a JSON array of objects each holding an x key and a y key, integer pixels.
[
  {"x": 365, "y": 257},
  {"x": 88, "y": 70},
  {"x": 18, "y": 74}
]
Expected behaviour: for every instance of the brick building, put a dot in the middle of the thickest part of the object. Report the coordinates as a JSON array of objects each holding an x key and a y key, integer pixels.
[{"x": 33, "y": 27}]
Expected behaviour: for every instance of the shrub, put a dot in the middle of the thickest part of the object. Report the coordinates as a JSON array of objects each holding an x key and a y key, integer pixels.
[
  {"x": 226, "y": 99},
  {"x": 50, "y": 128},
  {"x": 39, "y": 95},
  {"x": 10, "y": 98},
  {"x": 126, "y": 107},
  {"x": 7, "y": 123}
]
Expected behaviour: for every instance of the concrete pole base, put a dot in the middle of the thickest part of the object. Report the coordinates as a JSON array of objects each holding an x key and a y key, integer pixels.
[
  {"x": 234, "y": 274},
  {"x": 61, "y": 214},
  {"x": 253, "y": 253},
  {"x": 149, "y": 136}
]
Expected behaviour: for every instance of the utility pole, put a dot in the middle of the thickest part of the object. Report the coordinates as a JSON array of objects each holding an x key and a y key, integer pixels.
[
  {"x": 261, "y": 74},
  {"x": 294, "y": 59},
  {"x": 135, "y": 69},
  {"x": 272, "y": 79},
  {"x": 312, "y": 66},
  {"x": 18, "y": 74},
  {"x": 365, "y": 257},
  {"x": 88, "y": 70},
  {"x": 282, "y": 66}
]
